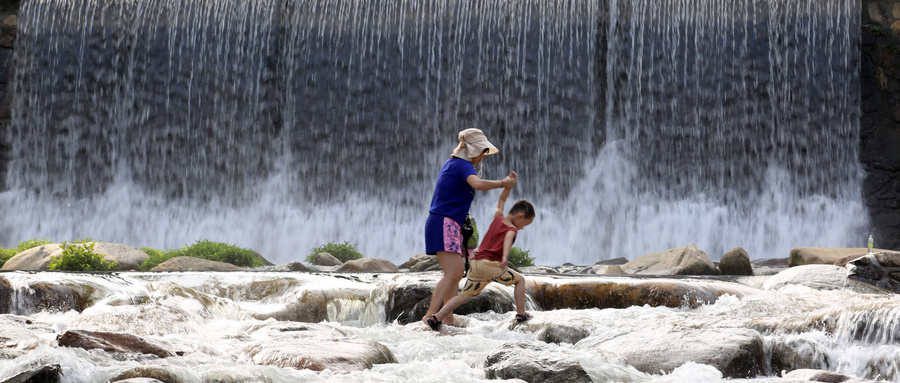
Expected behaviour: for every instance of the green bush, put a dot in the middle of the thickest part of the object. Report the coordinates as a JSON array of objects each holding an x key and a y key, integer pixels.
[
  {"x": 213, "y": 251},
  {"x": 342, "y": 251},
  {"x": 6, "y": 254},
  {"x": 519, "y": 257},
  {"x": 80, "y": 258}
]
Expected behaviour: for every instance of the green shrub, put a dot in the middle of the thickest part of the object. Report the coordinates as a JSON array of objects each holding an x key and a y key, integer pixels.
[
  {"x": 6, "y": 254},
  {"x": 86, "y": 240},
  {"x": 342, "y": 251},
  {"x": 31, "y": 243},
  {"x": 877, "y": 30},
  {"x": 519, "y": 257},
  {"x": 80, "y": 258},
  {"x": 213, "y": 251}
]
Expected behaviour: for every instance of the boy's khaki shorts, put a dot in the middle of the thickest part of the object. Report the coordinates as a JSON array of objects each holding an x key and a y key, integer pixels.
[{"x": 482, "y": 272}]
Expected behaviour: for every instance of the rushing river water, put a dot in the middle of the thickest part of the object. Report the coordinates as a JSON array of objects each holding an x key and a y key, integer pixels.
[
  {"x": 636, "y": 126},
  {"x": 213, "y": 320}
]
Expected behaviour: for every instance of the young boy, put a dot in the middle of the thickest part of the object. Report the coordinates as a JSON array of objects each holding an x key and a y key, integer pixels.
[{"x": 490, "y": 261}]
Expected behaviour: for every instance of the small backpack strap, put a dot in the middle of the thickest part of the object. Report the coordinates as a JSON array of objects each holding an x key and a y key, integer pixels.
[{"x": 467, "y": 230}]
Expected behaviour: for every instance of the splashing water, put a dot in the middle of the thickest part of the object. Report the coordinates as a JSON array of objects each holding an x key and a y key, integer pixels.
[{"x": 635, "y": 126}]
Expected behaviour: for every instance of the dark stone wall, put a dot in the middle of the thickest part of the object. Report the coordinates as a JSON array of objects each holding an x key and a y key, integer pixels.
[
  {"x": 9, "y": 9},
  {"x": 880, "y": 117}
]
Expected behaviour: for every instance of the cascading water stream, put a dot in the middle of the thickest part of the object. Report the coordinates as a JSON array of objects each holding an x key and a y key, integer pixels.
[{"x": 280, "y": 125}]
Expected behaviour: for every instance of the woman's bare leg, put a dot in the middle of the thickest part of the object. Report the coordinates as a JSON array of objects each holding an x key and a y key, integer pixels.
[{"x": 446, "y": 288}]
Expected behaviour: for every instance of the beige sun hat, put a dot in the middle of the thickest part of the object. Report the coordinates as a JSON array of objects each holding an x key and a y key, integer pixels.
[{"x": 473, "y": 142}]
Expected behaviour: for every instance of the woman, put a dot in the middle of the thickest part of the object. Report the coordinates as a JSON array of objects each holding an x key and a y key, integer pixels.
[{"x": 453, "y": 194}]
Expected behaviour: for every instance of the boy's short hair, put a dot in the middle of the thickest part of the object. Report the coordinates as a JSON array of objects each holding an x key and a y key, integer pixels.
[{"x": 523, "y": 206}]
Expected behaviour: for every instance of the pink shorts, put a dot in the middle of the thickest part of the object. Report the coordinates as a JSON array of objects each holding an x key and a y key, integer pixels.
[{"x": 442, "y": 234}]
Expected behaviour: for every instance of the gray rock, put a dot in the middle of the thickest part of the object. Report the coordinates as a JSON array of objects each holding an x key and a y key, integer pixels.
[
  {"x": 194, "y": 264},
  {"x": 294, "y": 266},
  {"x": 607, "y": 269},
  {"x": 128, "y": 258},
  {"x": 318, "y": 355},
  {"x": 422, "y": 262},
  {"x": 807, "y": 375},
  {"x": 736, "y": 262},
  {"x": 615, "y": 261},
  {"x": 50, "y": 373},
  {"x": 687, "y": 260},
  {"x": 820, "y": 277},
  {"x": 736, "y": 352},
  {"x": 535, "y": 362},
  {"x": 326, "y": 259},
  {"x": 369, "y": 265}
]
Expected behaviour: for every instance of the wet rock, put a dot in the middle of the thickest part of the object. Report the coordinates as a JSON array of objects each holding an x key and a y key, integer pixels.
[
  {"x": 369, "y": 265},
  {"x": 318, "y": 355},
  {"x": 607, "y": 269},
  {"x": 615, "y": 261},
  {"x": 312, "y": 307},
  {"x": 326, "y": 259},
  {"x": 111, "y": 342},
  {"x": 771, "y": 262},
  {"x": 19, "y": 336},
  {"x": 796, "y": 353},
  {"x": 294, "y": 266},
  {"x": 408, "y": 303},
  {"x": 422, "y": 262},
  {"x": 35, "y": 258},
  {"x": 535, "y": 362},
  {"x": 149, "y": 374},
  {"x": 819, "y": 376},
  {"x": 820, "y": 277},
  {"x": 736, "y": 262},
  {"x": 44, "y": 374},
  {"x": 736, "y": 352},
  {"x": 822, "y": 255},
  {"x": 194, "y": 264},
  {"x": 687, "y": 260},
  {"x": 880, "y": 269},
  {"x": 570, "y": 333},
  {"x": 41, "y": 297},
  {"x": 612, "y": 292}
]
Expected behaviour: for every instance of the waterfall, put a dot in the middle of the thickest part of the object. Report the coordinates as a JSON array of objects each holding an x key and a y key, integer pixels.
[{"x": 280, "y": 125}]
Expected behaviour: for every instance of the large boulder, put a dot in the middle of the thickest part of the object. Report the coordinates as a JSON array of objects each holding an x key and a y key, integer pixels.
[
  {"x": 408, "y": 302},
  {"x": 823, "y": 255},
  {"x": 535, "y": 362},
  {"x": 318, "y": 355},
  {"x": 819, "y": 277},
  {"x": 38, "y": 258},
  {"x": 41, "y": 296},
  {"x": 880, "y": 269},
  {"x": 194, "y": 264},
  {"x": 736, "y": 262},
  {"x": 111, "y": 342},
  {"x": 736, "y": 352},
  {"x": 686, "y": 260},
  {"x": 369, "y": 265},
  {"x": 33, "y": 259},
  {"x": 326, "y": 259},
  {"x": 49, "y": 373},
  {"x": 127, "y": 257}
]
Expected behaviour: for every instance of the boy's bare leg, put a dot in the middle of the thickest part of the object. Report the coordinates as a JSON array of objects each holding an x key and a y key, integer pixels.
[{"x": 519, "y": 294}]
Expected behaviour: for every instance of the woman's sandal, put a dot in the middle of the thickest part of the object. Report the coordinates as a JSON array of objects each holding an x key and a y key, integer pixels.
[
  {"x": 522, "y": 318},
  {"x": 434, "y": 323}
]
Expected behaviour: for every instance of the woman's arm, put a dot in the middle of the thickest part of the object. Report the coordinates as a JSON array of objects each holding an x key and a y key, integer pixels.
[{"x": 480, "y": 184}]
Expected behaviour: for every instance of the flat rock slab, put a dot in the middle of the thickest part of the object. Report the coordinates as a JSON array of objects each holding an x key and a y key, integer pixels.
[{"x": 318, "y": 355}]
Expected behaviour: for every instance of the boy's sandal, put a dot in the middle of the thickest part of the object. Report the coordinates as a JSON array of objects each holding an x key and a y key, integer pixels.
[
  {"x": 522, "y": 318},
  {"x": 434, "y": 323}
]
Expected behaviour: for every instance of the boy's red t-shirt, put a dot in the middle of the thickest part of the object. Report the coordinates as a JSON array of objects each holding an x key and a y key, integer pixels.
[{"x": 492, "y": 245}]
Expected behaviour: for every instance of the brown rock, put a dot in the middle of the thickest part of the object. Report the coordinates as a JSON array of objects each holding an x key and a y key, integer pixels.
[
  {"x": 33, "y": 259},
  {"x": 369, "y": 265},
  {"x": 111, "y": 342},
  {"x": 736, "y": 262},
  {"x": 822, "y": 255},
  {"x": 326, "y": 259},
  {"x": 194, "y": 264}
]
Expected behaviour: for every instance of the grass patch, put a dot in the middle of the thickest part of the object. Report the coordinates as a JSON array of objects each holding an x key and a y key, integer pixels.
[
  {"x": 519, "y": 257},
  {"x": 80, "y": 257},
  {"x": 213, "y": 251},
  {"x": 343, "y": 251}
]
